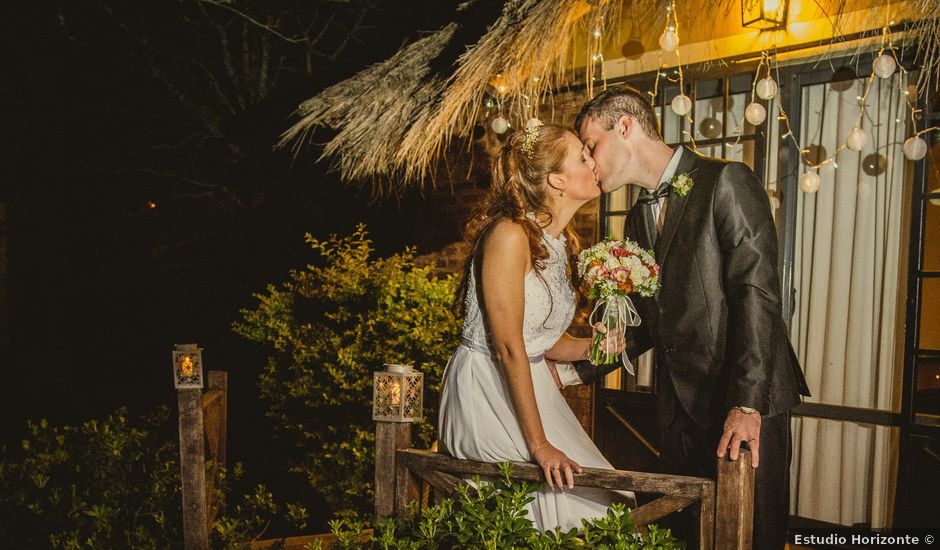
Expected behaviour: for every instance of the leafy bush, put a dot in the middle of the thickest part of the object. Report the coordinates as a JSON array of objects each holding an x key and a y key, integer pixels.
[
  {"x": 492, "y": 516},
  {"x": 112, "y": 483},
  {"x": 329, "y": 327}
]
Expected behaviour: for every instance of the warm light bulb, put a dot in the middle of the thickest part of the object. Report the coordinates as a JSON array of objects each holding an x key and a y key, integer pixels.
[
  {"x": 597, "y": 33},
  {"x": 771, "y": 6},
  {"x": 669, "y": 40},
  {"x": 884, "y": 65},
  {"x": 681, "y": 104},
  {"x": 755, "y": 113},
  {"x": 915, "y": 148},
  {"x": 856, "y": 139},
  {"x": 809, "y": 182},
  {"x": 766, "y": 88}
]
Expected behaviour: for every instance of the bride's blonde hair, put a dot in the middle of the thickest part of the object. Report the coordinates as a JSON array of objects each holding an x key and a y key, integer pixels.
[{"x": 519, "y": 192}]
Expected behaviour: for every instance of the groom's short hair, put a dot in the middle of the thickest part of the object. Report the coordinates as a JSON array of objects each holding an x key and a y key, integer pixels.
[{"x": 617, "y": 101}]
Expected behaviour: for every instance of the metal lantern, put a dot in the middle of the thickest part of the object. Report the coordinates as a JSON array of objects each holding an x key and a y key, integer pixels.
[
  {"x": 764, "y": 14},
  {"x": 187, "y": 366},
  {"x": 398, "y": 394}
]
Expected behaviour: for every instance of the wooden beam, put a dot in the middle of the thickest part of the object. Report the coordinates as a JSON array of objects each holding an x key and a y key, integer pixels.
[
  {"x": 444, "y": 484},
  {"x": 660, "y": 508},
  {"x": 592, "y": 477},
  {"x": 706, "y": 527}
]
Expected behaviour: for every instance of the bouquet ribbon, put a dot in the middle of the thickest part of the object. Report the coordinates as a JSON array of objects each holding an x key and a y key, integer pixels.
[{"x": 616, "y": 312}]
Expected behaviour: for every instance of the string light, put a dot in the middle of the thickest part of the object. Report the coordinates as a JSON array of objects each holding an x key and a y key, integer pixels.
[{"x": 681, "y": 105}]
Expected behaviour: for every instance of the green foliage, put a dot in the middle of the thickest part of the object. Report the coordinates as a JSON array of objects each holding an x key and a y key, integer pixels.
[
  {"x": 492, "y": 516},
  {"x": 329, "y": 327},
  {"x": 112, "y": 483}
]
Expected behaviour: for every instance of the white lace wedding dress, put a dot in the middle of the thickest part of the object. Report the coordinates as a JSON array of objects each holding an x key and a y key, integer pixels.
[{"x": 477, "y": 420}]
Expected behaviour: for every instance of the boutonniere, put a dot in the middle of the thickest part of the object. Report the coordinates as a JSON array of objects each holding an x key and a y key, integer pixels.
[{"x": 682, "y": 184}]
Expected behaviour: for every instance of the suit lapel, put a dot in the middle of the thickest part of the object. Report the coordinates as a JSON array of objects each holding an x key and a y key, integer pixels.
[{"x": 675, "y": 207}]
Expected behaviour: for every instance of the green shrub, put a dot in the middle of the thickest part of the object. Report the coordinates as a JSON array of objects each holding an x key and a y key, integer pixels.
[
  {"x": 112, "y": 483},
  {"x": 492, "y": 516},
  {"x": 329, "y": 326}
]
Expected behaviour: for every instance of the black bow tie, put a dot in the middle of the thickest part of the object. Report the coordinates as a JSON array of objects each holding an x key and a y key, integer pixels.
[{"x": 647, "y": 197}]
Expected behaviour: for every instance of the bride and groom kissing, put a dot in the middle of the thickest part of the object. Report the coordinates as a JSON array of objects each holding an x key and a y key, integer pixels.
[{"x": 726, "y": 372}]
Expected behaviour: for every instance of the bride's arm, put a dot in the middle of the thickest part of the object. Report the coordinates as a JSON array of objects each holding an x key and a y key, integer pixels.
[
  {"x": 569, "y": 348},
  {"x": 506, "y": 260}
]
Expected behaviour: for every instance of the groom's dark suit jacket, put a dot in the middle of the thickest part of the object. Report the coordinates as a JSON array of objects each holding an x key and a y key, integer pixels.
[{"x": 716, "y": 322}]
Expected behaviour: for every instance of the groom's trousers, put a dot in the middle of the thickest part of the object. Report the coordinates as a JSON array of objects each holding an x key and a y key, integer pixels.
[{"x": 687, "y": 449}]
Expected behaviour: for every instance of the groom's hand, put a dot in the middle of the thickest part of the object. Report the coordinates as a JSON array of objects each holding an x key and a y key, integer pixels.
[
  {"x": 740, "y": 427},
  {"x": 553, "y": 370}
]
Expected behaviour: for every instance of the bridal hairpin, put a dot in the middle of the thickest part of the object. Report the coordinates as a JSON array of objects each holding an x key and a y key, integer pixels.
[{"x": 531, "y": 136}]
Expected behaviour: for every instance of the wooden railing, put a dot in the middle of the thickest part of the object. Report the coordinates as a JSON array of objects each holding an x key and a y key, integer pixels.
[{"x": 725, "y": 513}]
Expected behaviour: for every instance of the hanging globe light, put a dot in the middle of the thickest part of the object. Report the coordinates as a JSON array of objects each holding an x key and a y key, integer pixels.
[
  {"x": 755, "y": 113},
  {"x": 499, "y": 125},
  {"x": 809, "y": 182},
  {"x": 884, "y": 65},
  {"x": 669, "y": 40},
  {"x": 766, "y": 88},
  {"x": 856, "y": 139},
  {"x": 915, "y": 148},
  {"x": 681, "y": 104}
]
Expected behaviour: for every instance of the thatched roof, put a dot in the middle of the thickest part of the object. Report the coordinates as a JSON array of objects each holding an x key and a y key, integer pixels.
[{"x": 394, "y": 120}]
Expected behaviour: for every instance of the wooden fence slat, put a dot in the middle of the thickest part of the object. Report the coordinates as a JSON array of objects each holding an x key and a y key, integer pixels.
[
  {"x": 659, "y": 508},
  {"x": 443, "y": 483}
]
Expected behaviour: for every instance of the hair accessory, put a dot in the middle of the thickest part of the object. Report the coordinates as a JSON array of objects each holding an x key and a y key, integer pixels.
[{"x": 531, "y": 136}]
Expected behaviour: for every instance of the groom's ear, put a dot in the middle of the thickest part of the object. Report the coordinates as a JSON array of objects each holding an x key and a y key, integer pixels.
[{"x": 624, "y": 126}]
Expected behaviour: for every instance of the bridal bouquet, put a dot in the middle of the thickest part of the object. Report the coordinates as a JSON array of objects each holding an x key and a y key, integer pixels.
[{"x": 610, "y": 271}]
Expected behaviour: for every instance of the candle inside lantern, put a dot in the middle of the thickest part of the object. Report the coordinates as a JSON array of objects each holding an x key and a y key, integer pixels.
[{"x": 395, "y": 397}]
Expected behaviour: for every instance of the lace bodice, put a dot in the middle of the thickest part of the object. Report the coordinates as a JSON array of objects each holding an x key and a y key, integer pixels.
[{"x": 549, "y": 303}]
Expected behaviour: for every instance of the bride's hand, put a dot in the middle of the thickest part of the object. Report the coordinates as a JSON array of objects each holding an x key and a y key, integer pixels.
[
  {"x": 555, "y": 464},
  {"x": 614, "y": 341}
]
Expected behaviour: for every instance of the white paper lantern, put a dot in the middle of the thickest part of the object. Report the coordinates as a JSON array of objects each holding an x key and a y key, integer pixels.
[
  {"x": 681, "y": 104},
  {"x": 499, "y": 125},
  {"x": 915, "y": 148},
  {"x": 755, "y": 113},
  {"x": 809, "y": 182},
  {"x": 766, "y": 88},
  {"x": 884, "y": 65},
  {"x": 533, "y": 122},
  {"x": 669, "y": 41},
  {"x": 856, "y": 139}
]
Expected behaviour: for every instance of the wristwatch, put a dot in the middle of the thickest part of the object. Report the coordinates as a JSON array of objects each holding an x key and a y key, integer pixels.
[{"x": 745, "y": 410}]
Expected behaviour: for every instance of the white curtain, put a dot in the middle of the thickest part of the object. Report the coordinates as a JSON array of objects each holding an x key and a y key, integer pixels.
[{"x": 845, "y": 325}]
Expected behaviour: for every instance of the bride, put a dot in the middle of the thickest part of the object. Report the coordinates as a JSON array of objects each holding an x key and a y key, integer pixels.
[{"x": 499, "y": 400}]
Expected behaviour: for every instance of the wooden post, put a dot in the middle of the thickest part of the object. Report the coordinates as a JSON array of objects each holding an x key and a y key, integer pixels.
[
  {"x": 218, "y": 381},
  {"x": 193, "y": 469},
  {"x": 734, "y": 506},
  {"x": 214, "y": 417},
  {"x": 389, "y": 437}
]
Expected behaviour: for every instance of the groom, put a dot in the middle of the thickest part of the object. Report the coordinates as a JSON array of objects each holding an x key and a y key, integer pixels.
[{"x": 726, "y": 373}]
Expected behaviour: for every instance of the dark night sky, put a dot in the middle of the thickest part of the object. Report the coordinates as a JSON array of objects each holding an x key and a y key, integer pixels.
[{"x": 100, "y": 285}]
